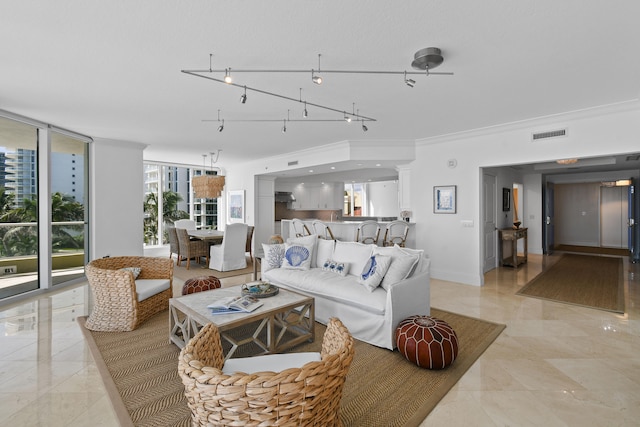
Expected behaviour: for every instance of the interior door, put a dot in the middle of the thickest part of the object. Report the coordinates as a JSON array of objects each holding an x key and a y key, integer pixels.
[
  {"x": 548, "y": 226},
  {"x": 489, "y": 222}
]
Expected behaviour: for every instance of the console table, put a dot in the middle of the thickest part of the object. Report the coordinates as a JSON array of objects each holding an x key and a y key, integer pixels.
[{"x": 509, "y": 237}]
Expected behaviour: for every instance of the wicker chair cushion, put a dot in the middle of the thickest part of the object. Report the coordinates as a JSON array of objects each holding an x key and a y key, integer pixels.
[
  {"x": 269, "y": 362},
  {"x": 146, "y": 288}
]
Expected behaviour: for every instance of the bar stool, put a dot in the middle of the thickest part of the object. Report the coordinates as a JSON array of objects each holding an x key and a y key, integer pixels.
[
  {"x": 322, "y": 230},
  {"x": 368, "y": 232},
  {"x": 396, "y": 233},
  {"x": 300, "y": 228}
]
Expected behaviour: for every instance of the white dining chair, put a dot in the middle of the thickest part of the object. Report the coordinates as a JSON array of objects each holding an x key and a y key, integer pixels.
[{"x": 230, "y": 254}]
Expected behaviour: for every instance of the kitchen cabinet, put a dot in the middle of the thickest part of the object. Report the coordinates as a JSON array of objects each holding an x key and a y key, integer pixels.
[{"x": 318, "y": 196}]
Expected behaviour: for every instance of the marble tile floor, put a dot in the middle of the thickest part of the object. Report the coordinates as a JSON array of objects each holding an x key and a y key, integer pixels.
[{"x": 554, "y": 365}]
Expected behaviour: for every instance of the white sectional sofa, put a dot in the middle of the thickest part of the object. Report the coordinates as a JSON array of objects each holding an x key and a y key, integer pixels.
[{"x": 370, "y": 311}]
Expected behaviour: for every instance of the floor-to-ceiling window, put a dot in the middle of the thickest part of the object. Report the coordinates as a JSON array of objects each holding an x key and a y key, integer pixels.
[
  {"x": 41, "y": 167},
  {"x": 168, "y": 197}
]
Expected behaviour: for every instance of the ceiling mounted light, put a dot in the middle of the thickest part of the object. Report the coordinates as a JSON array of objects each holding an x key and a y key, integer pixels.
[
  {"x": 364, "y": 127},
  {"x": 243, "y": 98},
  {"x": 284, "y": 127},
  {"x": 305, "y": 113},
  {"x": 409, "y": 82},
  {"x": 227, "y": 76},
  {"x": 566, "y": 161},
  {"x": 221, "y": 127},
  {"x": 347, "y": 118}
]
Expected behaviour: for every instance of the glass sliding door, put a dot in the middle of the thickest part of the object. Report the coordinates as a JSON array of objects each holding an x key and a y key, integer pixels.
[
  {"x": 18, "y": 208},
  {"x": 68, "y": 207}
]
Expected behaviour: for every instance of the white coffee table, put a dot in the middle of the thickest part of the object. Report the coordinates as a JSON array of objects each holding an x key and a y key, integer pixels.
[{"x": 288, "y": 318}]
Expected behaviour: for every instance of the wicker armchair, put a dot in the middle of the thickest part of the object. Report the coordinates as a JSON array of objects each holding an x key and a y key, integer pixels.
[
  {"x": 191, "y": 248},
  {"x": 306, "y": 396},
  {"x": 115, "y": 300}
]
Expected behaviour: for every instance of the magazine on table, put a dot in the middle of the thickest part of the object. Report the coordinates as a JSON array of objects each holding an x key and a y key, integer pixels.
[{"x": 244, "y": 304}]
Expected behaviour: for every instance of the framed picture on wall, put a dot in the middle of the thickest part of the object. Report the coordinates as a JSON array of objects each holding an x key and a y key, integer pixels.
[
  {"x": 506, "y": 200},
  {"x": 235, "y": 205},
  {"x": 444, "y": 199}
]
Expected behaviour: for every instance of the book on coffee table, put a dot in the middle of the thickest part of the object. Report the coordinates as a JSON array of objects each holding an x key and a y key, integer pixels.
[{"x": 226, "y": 305}]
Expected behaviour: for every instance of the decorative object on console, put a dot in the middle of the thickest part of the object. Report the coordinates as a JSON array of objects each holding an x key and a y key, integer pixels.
[
  {"x": 427, "y": 341},
  {"x": 444, "y": 199},
  {"x": 406, "y": 215}
]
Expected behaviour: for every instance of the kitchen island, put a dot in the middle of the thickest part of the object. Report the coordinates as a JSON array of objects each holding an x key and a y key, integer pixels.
[{"x": 346, "y": 230}]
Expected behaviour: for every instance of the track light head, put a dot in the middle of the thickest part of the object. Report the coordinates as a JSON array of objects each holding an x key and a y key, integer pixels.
[
  {"x": 347, "y": 118},
  {"x": 221, "y": 127},
  {"x": 364, "y": 127},
  {"x": 305, "y": 113},
  {"x": 227, "y": 76},
  {"x": 316, "y": 79},
  {"x": 284, "y": 127},
  {"x": 410, "y": 82},
  {"x": 243, "y": 98}
]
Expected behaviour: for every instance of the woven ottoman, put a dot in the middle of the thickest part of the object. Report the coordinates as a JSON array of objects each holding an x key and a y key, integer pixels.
[
  {"x": 200, "y": 284},
  {"x": 426, "y": 341}
]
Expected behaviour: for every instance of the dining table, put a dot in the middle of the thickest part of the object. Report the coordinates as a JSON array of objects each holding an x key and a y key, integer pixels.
[{"x": 209, "y": 236}]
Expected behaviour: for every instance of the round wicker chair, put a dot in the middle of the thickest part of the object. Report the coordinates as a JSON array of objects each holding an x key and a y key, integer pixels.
[
  {"x": 306, "y": 396},
  {"x": 115, "y": 301}
]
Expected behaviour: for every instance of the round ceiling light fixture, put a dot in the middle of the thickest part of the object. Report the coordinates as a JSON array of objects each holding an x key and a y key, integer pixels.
[{"x": 427, "y": 58}]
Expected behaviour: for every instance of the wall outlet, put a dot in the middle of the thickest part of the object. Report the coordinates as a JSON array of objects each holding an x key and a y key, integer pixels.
[
  {"x": 9, "y": 269},
  {"x": 467, "y": 223}
]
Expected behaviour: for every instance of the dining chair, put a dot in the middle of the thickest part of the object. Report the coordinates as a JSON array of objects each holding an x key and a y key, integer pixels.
[
  {"x": 396, "y": 233},
  {"x": 322, "y": 230},
  {"x": 300, "y": 228},
  {"x": 368, "y": 232},
  {"x": 174, "y": 246},
  {"x": 230, "y": 254},
  {"x": 249, "y": 239},
  {"x": 191, "y": 248}
]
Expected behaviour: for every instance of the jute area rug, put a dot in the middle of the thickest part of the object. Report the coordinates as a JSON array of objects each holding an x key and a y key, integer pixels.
[
  {"x": 139, "y": 369},
  {"x": 196, "y": 270},
  {"x": 584, "y": 280}
]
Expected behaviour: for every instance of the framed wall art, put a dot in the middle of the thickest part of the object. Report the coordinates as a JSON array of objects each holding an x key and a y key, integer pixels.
[
  {"x": 444, "y": 199},
  {"x": 506, "y": 200},
  {"x": 235, "y": 205}
]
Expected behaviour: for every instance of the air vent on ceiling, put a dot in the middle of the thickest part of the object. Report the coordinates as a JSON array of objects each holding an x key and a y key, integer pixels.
[
  {"x": 294, "y": 163},
  {"x": 550, "y": 134}
]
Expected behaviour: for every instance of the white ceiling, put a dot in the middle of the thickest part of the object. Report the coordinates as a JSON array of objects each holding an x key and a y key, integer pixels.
[{"x": 112, "y": 69}]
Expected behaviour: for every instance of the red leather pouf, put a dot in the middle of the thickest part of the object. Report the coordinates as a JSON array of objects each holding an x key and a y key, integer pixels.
[
  {"x": 426, "y": 341},
  {"x": 199, "y": 284}
]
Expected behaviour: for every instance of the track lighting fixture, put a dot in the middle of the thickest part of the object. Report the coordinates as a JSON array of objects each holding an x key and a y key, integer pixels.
[
  {"x": 316, "y": 79},
  {"x": 347, "y": 118},
  {"x": 243, "y": 98},
  {"x": 364, "y": 127},
  {"x": 227, "y": 76},
  {"x": 409, "y": 82},
  {"x": 284, "y": 127},
  {"x": 305, "y": 113},
  {"x": 221, "y": 127}
]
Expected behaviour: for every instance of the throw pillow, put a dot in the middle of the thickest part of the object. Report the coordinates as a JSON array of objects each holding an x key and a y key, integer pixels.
[
  {"x": 273, "y": 256},
  {"x": 340, "y": 268},
  {"x": 297, "y": 256},
  {"x": 374, "y": 271},
  {"x": 308, "y": 242},
  {"x": 135, "y": 270},
  {"x": 353, "y": 253},
  {"x": 402, "y": 264}
]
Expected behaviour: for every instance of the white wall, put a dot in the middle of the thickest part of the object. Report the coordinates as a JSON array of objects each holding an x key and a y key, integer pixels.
[
  {"x": 116, "y": 183},
  {"x": 382, "y": 199},
  {"x": 455, "y": 251}
]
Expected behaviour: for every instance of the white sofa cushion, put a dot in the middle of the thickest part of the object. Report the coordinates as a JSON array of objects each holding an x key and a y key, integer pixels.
[
  {"x": 332, "y": 287},
  {"x": 146, "y": 288},
  {"x": 273, "y": 256},
  {"x": 307, "y": 241},
  {"x": 354, "y": 253},
  {"x": 324, "y": 251},
  {"x": 374, "y": 270},
  {"x": 269, "y": 362},
  {"x": 297, "y": 256},
  {"x": 402, "y": 264}
]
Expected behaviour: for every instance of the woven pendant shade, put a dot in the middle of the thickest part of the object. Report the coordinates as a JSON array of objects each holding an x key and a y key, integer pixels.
[{"x": 207, "y": 186}]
